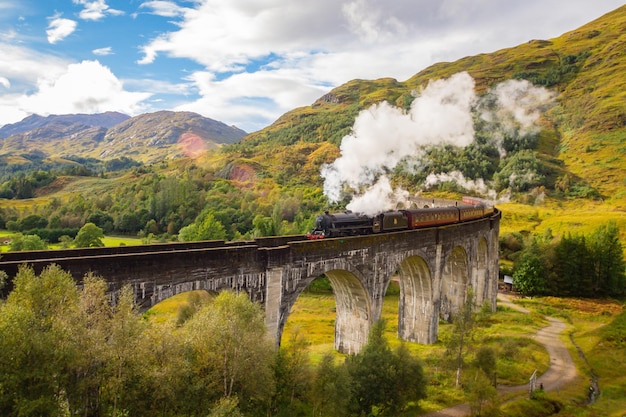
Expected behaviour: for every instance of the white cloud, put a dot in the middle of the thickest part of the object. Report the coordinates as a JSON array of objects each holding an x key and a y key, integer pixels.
[
  {"x": 25, "y": 66},
  {"x": 103, "y": 51},
  {"x": 5, "y": 82},
  {"x": 249, "y": 100},
  {"x": 85, "y": 87},
  {"x": 95, "y": 9},
  {"x": 59, "y": 29},
  {"x": 163, "y": 8},
  {"x": 369, "y": 23},
  {"x": 318, "y": 45}
]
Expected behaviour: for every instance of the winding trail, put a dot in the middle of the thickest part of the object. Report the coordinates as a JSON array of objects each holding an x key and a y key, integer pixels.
[{"x": 561, "y": 371}]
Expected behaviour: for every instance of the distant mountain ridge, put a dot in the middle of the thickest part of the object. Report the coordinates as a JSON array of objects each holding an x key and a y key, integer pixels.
[
  {"x": 107, "y": 120},
  {"x": 147, "y": 137}
]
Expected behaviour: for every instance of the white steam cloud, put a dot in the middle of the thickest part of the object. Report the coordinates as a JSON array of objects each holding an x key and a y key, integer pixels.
[
  {"x": 518, "y": 105},
  {"x": 383, "y": 136},
  {"x": 478, "y": 186}
]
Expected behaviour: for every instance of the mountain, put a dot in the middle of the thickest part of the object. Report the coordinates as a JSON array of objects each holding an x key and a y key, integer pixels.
[
  {"x": 580, "y": 151},
  {"x": 33, "y": 122},
  {"x": 173, "y": 134},
  {"x": 147, "y": 137}
]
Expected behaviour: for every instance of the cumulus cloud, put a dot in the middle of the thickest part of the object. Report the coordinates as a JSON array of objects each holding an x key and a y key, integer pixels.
[
  {"x": 369, "y": 22},
  {"x": 86, "y": 87},
  {"x": 5, "y": 82},
  {"x": 264, "y": 91},
  {"x": 25, "y": 66},
  {"x": 59, "y": 29}
]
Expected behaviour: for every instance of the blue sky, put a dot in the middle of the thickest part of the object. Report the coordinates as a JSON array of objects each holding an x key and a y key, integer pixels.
[{"x": 244, "y": 62}]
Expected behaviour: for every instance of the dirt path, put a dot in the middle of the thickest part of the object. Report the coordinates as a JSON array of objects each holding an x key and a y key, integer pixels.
[{"x": 562, "y": 369}]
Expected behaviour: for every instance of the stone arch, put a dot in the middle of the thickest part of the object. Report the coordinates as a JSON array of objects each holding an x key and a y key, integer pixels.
[
  {"x": 352, "y": 301},
  {"x": 352, "y": 324},
  {"x": 481, "y": 275},
  {"x": 416, "y": 318},
  {"x": 454, "y": 281}
]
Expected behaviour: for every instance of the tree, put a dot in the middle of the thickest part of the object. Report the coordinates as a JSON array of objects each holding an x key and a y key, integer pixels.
[
  {"x": 572, "y": 273},
  {"x": 463, "y": 322},
  {"x": 230, "y": 351},
  {"x": 21, "y": 242},
  {"x": 129, "y": 223},
  {"x": 293, "y": 374},
  {"x": 529, "y": 273},
  {"x": 486, "y": 360},
  {"x": 86, "y": 370},
  {"x": 383, "y": 380},
  {"x": 410, "y": 379},
  {"x": 481, "y": 394},
  {"x": 102, "y": 220},
  {"x": 89, "y": 236},
  {"x": 36, "y": 342},
  {"x": 331, "y": 393},
  {"x": 33, "y": 221},
  {"x": 607, "y": 261},
  {"x": 226, "y": 407},
  {"x": 122, "y": 361},
  {"x": 206, "y": 227}
]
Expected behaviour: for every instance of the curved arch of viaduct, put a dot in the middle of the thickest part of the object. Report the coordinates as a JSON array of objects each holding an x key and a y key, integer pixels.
[{"x": 434, "y": 281}]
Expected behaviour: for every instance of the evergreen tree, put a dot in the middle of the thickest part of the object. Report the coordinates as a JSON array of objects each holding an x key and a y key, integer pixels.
[
  {"x": 571, "y": 273},
  {"x": 608, "y": 261}
]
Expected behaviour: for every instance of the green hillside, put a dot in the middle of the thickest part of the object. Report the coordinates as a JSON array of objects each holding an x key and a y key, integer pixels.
[
  {"x": 585, "y": 131},
  {"x": 581, "y": 148},
  {"x": 569, "y": 175}
]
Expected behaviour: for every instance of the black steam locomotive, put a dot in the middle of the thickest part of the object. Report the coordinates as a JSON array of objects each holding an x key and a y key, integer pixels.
[{"x": 348, "y": 223}]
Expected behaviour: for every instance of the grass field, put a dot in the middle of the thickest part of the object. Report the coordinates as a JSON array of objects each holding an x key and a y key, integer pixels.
[{"x": 5, "y": 236}]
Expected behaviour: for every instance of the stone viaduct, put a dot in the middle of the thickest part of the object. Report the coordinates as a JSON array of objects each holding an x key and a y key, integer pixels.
[{"x": 434, "y": 266}]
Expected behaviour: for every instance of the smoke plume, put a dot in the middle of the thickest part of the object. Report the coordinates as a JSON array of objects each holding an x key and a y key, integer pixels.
[{"x": 442, "y": 113}]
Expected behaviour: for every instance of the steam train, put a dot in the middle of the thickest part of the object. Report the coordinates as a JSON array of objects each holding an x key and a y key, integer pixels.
[{"x": 348, "y": 223}]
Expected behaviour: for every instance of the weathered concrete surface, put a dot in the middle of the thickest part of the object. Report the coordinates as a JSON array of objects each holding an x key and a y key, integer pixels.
[{"x": 435, "y": 268}]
